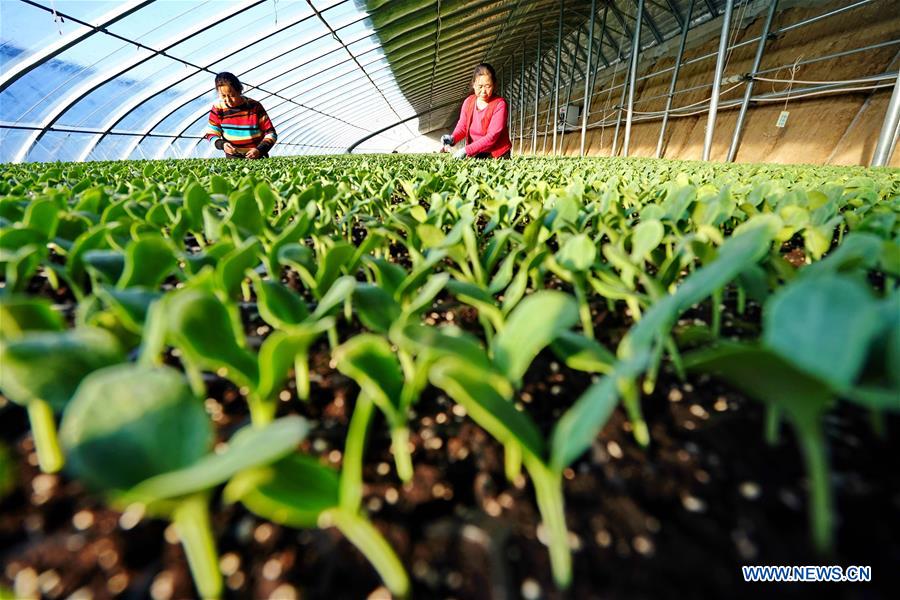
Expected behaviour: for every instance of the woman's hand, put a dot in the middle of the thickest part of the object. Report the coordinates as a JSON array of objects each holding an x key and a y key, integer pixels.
[
  {"x": 254, "y": 153},
  {"x": 229, "y": 149},
  {"x": 461, "y": 153}
]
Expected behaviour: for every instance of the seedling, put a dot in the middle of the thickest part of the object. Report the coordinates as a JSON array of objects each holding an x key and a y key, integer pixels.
[
  {"x": 41, "y": 371},
  {"x": 818, "y": 333},
  {"x": 139, "y": 435}
]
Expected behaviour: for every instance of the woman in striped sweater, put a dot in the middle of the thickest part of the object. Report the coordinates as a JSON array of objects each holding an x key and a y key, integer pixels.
[{"x": 237, "y": 124}]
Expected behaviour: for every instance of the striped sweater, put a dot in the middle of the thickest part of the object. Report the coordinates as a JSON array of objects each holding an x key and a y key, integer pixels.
[{"x": 245, "y": 127}]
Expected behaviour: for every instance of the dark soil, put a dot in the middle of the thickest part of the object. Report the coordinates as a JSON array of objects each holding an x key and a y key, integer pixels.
[{"x": 676, "y": 520}]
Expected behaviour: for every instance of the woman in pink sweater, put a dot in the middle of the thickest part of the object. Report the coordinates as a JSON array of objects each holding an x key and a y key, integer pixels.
[{"x": 482, "y": 120}]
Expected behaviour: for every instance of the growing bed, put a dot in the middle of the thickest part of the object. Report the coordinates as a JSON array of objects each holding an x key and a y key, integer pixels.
[{"x": 336, "y": 377}]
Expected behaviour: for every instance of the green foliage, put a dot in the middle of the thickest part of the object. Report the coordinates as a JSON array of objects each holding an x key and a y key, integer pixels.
[{"x": 422, "y": 271}]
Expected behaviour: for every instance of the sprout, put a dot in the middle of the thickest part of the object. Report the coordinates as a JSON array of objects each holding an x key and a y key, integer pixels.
[
  {"x": 139, "y": 435},
  {"x": 41, "y": 371}
]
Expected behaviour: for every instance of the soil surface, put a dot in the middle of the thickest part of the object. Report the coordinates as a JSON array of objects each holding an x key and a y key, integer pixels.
[{"x": 675, "y": 520}]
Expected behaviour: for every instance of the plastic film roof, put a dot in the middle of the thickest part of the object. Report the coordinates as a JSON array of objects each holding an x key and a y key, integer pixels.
[{"x": 132, "y": 79}]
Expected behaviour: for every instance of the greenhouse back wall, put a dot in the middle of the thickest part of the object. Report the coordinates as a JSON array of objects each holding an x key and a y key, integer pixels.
[{"x": 462, "y": 299}]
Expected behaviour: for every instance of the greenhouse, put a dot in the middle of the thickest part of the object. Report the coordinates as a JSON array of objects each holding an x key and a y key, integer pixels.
[{"x": 474, "y": 299}]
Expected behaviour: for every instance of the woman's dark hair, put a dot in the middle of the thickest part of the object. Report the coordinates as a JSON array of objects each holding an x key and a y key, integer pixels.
[
  {"x": 485, "y": 69},
  {"x": 226, "y": 78}
]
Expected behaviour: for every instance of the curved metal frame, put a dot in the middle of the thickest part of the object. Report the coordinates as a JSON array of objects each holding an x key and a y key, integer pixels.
[
  {"x": 420, "y": 58},
  {"x": 187, "y": 122},
  {"x": 139, "y": 99},
  {"x": 20, "y": 69},
  {"x": 60, "y": 108}
]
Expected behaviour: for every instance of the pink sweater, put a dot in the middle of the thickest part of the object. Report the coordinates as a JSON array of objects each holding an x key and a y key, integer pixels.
[{"x": 494, "y": 139}]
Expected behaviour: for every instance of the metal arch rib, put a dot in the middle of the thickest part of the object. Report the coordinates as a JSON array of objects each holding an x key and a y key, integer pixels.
[
  {"x": 100, "y": 79},
  {"x": 189, "y": 121},
  {"x": 284, "y": 128},
  {"x": 676, "y": 12},
  {"x": 315, "y": 131},
  {"x": 186, "y": 123},
  {"x": 145, "y": 95},
  {"x": 651, "y": 23},
  {"x": 361, "y": 68},
  {"x": 407, "y": 119},
  {"x": 22, "y": 68},
  {"x": 296, "y": 130}
]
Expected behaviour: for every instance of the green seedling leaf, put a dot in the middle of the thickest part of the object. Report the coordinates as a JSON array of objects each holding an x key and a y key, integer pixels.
[
  {"x": 823, "y": 325},
  {"x": 646, "y": 237},
  {"x": 330, "y": 268},
  {"x": 419, "y": 274},
  {"x": 201, "y": 326},
  {"x": 579, "y": 426},
  {"x": 49, "y": 365},
  {"x": 92, "y": 239},
  {"x": 538, "y": 320},
  {"x": 431, "y": 235},
  {"x": 504, "y": 274},
  {"x": 375, "y": 307},
  {"x": 41, "y": 371},
  {"x": 516, "y": 290},
  {"x": 232, "y": 269},
  {"x": 284, "y": 349},
  {"x": 21, "y": 314},
  {"x": 437, "y": 342},
  {"x": 301, "y": 259},
  {"x": 195, "y": 199},
  {"x": 369, "y": 360},
  {"x": 337, "y": 294},
  {"x": 12, "y": 239},
  {"x": 478, "y": 297},
  {"x": 106, "y": 266},
  {"x": 131, "y": 306},
  {"x": 427, "y": 293},
  {"x": 291, "y": 234},
  {"x": 754, "y": 282},
  {"x": 250, "y": 447},
  {"x": 212, "y": 223},
  {"x": 857, "y": 251},
  {"x": 388, "y": 276},
  {"x": 245, "y": 214},
  {"x": 294, "y": 491},
  {"x": 578, "y": 253},
  {"x": 278, "y": 305},
  {"x": 219, "y": 185},
  {"x": 21, "y": 265},
  {"x": 749, "y": 243},
  {"x": 42, "y": 216},
  {"x": 128, "y": 423},
  {"x": 158, "y": 216},
  {"x": 486, "y": 398},
  {"x": 678, "y": 201},
  {"x": 817, "y": 239},
  {"x": 148, "y": 261},
  {"x": 879, "y": 399},
  {"x": 265, "y": 198},
  {"x": 583, "y": 354}
]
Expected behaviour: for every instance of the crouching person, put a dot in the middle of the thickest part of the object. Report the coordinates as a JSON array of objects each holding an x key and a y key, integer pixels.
[
  {"x": 237, "y": 124},
  {"x": 482, "y": 120}
]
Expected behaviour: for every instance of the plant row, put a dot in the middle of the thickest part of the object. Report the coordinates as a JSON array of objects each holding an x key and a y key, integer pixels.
[{"x": 126, "y": 285}]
